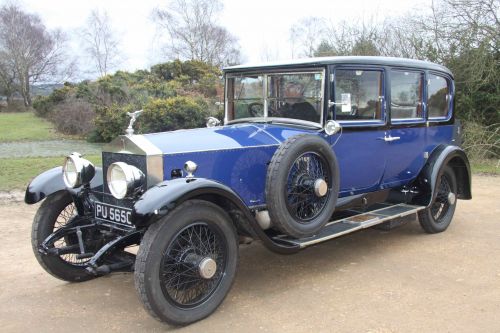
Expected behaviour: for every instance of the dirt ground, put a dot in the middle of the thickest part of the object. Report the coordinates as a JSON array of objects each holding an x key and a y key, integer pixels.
[{"x": 370, "y": 281}]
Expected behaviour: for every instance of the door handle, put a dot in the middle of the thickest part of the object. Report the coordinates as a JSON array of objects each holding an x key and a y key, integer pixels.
[{"x": 390, "y": 138}]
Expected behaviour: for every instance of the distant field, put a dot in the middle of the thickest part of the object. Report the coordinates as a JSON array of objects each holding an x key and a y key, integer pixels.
[
  {"x": 16, "y": 173},
  {"x": 22, "y": 126}
]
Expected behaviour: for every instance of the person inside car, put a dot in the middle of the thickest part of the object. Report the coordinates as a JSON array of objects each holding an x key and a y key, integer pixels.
[{"x": 295, "y": 106}]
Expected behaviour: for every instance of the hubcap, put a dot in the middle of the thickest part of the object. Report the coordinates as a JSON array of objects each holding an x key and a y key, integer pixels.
[
  {"x": 320, "y": 187},
  {"x": 451, "y": 198},
  {"x": 207, "y": 268}
]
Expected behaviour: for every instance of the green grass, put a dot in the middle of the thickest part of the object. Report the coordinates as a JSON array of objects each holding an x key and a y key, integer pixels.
[
  {"x": 16, "y": 173},
  {"x": 491, "y": 167},
  {"x": 22, "y": 126}
]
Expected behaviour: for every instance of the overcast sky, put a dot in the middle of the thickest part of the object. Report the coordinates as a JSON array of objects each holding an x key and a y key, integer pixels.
[{"x": 258, "y": 24}]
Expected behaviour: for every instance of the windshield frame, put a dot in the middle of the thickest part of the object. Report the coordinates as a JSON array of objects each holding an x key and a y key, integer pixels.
[{"x": 265, "y": 118}]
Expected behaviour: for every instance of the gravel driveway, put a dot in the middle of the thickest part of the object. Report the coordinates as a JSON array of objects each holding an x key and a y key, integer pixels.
[{"x": 371, "y": 281}]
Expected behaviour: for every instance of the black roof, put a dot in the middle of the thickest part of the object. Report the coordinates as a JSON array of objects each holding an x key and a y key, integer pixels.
[{"x": 322, "y": 61}]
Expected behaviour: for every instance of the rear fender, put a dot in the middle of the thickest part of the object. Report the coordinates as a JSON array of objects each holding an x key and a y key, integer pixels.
[{"x": 442, "y": 156}]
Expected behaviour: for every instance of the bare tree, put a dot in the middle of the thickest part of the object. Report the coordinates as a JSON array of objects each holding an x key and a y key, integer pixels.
[
  {"x": 29, "y": 49},
  {"x": 305, "y": 36},
  {"x": 195, "y": 34},
  {"x": 102, "y": 46}
]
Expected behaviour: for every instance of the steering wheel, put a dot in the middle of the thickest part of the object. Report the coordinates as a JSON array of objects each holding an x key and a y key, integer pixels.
[{"x": 256, "y": 109}]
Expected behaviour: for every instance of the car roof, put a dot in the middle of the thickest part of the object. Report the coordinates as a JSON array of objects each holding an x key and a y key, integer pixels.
[{"x": 355, "y": 60}]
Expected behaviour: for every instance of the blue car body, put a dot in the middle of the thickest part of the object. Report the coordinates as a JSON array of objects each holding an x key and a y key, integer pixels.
[
  {"x": 237, "y": 155},
  {"x": 381, "y": 156}
]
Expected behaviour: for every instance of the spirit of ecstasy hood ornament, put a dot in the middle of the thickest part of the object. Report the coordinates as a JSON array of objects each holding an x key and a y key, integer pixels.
[{"x": 133, "y": 117}]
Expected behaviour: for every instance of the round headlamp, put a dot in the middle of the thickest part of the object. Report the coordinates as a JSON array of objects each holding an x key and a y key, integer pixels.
[
  {"x": 77, "y": 171},
  {"x": 124, "y": 179}
]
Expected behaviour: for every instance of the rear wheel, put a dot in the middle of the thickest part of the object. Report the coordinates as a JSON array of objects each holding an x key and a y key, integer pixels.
[
  {"x": 186, "y": 263},
  {"x": 438, "y": 216}
]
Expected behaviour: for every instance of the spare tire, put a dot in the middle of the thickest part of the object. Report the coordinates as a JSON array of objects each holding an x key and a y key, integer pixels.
[{"x": 302, "y": 185}]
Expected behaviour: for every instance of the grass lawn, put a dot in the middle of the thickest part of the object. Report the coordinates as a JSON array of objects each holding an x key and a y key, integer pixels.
[
  {"x": 20, "y": 126},
  {"x": 16, "y": 173}
]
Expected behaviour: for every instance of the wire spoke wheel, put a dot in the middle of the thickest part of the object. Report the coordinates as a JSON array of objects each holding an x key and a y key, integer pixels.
[
  {"x": 193, "y": 265},
  {"x": 55, "y": 212},
  {"x": 437, "y": 217},
  {"x": 68, "y": 213},
  {"x": 441, "y": 205},
  {"x": 303, "y": 201}
]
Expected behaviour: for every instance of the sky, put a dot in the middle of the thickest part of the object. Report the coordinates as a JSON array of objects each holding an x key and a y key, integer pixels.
[{"x": 261, "y": 26}]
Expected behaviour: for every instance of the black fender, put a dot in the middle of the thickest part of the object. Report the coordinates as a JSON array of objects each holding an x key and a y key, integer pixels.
[
  {"x": 443, "y": 155},
  {"x": 162, "y": 198},
  {"x": 51, "y": 181}
]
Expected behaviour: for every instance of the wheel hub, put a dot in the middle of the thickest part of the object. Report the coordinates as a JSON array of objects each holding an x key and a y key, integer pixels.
[
  {"x": 207, "y": 268},
  {"x": 452, "y": 198},
  {"x": 320, "y": 187}
]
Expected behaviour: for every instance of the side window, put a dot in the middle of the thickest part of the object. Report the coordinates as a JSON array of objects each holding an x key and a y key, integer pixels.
[
  {"x": 358, "y": 94},
  {"x": 438, "y": 96},
  {"x": 406, "y": 95},
  {"x": 296, "y": 96},
  {"x": 245, "y": 96}
]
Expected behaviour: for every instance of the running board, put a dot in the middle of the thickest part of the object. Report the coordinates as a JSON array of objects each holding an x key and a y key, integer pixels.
[{"x": 353, "y": 223}]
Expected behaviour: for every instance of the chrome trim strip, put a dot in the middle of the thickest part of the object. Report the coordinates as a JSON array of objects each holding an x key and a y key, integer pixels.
[
  {"x": 219, "y": 149},
  {"x": 260, "y": 129}
]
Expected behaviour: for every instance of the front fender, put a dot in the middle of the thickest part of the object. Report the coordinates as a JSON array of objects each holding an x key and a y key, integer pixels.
[
  {"x": 165, "y": 196},
  {"x": 162, "y": 198},
  {"x": 456, "y": 158},
  {"x": 51, "y": 181}
]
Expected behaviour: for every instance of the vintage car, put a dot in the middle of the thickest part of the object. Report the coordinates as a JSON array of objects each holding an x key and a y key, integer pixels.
[{"x": 308, "y": 151}]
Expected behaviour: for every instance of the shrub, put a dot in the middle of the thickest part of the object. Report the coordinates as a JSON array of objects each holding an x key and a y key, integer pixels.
[
  {"x": 73, "y": 116},
  {"x": 44, "y": 105},
  {"x": 480, "y": 141},
  {"x": 172, "y": 114},
  {"x": 110, "y": 121}
]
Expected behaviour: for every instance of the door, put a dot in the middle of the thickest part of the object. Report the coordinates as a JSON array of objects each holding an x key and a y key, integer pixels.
[
  {"x": 406, "y": 138},
  {"x": 357, "y": 103}
]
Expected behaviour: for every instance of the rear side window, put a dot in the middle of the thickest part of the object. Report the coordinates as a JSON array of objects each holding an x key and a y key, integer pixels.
[
  {"x": 406, "y": 95},
  {"x": 438, "y": 92},
  {"x": 358, "y": 95}
]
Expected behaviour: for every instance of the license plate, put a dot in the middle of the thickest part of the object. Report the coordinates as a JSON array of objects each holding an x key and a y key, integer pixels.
[{"x": 112, "y": 213}]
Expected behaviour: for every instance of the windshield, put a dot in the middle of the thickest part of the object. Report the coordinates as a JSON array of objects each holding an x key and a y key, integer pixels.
[{"x": 275, "y": 95}]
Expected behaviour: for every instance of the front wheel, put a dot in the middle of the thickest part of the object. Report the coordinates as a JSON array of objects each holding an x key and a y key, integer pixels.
[
  {"x": 186, "y": 263},
  {"x": 438, "y": 216},
  {"x": 56, "y": 211}
]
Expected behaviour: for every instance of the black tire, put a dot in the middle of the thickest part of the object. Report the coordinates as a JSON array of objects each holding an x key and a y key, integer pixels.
[
  {"x": 55, "y": 211},
  {"x": 284, "y": 178},
  {"x": 437, "y": 217},
  {"x": 165, "y": 248}
]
